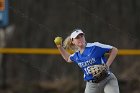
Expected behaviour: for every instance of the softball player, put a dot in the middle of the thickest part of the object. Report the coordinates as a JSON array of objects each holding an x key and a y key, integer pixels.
[{"x": 89, "y": 54}]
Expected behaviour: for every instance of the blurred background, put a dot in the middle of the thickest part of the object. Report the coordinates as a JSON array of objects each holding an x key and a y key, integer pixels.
[{"x": 33, "y": 24}]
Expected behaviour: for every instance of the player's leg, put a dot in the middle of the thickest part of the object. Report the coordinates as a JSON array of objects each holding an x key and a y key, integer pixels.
[
  {"x": 112, "y": 85},
  {"x": 92, "y": 88}
]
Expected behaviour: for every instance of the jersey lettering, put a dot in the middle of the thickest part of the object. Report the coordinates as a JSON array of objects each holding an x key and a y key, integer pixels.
[{"x": 87, "y": 63}]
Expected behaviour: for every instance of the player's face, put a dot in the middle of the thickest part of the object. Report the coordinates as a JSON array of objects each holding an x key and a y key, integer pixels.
[{"x": 79, "y": 40}]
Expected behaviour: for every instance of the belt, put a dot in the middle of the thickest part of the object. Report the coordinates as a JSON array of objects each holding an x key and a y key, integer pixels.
[
  {"x": 92, "y": 81},
  {"x": 98, "y": 80}
]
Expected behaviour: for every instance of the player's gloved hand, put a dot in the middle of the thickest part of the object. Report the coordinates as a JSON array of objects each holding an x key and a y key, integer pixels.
[
  {"x": 58, "y": 41},
  {"x": 99, "y": 72}
]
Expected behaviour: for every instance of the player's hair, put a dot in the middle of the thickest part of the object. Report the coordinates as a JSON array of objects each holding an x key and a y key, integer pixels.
[{"x": 67, "y": 44}]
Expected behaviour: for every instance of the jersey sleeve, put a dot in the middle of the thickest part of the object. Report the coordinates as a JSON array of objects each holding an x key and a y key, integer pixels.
[
  {"x": 72, "y": 57},
  {"x": 104, "y": 48}
]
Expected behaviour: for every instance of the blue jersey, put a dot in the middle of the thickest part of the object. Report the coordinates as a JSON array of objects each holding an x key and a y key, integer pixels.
[{"x": 93, "y": 54}]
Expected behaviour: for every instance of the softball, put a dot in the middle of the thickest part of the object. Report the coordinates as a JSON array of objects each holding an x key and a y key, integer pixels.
[{"x": 58, "y": 40}]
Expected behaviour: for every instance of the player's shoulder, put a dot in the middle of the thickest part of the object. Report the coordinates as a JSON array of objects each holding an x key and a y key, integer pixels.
[
  {"x": 74, "y": 54},
  {"x": 92, "y": 44},
  {"x": 98, "y": 44}
]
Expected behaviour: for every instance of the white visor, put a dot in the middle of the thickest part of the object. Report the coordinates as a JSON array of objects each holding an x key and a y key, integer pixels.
[{"x": 76, "y": 33}]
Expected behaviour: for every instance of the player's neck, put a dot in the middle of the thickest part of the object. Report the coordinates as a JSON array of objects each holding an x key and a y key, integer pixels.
[
  {"x": 82, "y": 48},
  {"x": 81, "y": 51}
]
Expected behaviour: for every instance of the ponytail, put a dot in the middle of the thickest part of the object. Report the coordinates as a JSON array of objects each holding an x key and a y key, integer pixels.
[{"x": 67, "y": 44}]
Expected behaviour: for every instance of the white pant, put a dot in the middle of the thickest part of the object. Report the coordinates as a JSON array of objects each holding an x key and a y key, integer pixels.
[{"x": 108, "y": 85}]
